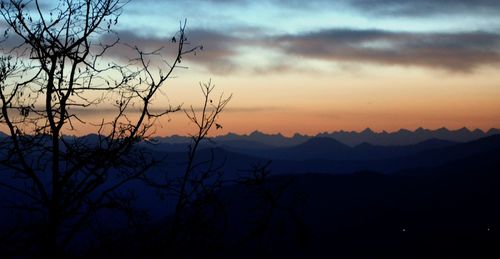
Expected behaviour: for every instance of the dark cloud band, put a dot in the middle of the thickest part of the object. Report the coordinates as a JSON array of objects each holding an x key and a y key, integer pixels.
[
  {"x": 426, "y": 7},
  {"x": 461, "y": 52},
  {"x": 218, "y": 48},
  {"x": 457, "y": 52},
  {"x": 380, "y": 7}
]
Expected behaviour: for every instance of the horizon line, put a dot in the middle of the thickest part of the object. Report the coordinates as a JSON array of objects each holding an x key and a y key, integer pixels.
[{"x": 367, "y": 129}]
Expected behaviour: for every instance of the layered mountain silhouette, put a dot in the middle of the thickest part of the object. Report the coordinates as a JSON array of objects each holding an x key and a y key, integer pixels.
[
  {"x": 350, "y": 138},
  {"x": 430, "y": 194},
  {"x": 331, "y": 149},
  {"x": 433, "y": 199}
]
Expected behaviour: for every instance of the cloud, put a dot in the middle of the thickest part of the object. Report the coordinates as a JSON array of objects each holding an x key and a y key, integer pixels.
[
  {"x": 425, "y": 7},
  {"x": 403, "y": 7},
  {"x": 379, "y": 7},
  {"x": 459, "y": 52},
  {"x": 111, "y": 111},
  {"x": 218, "y": 48},
  {"x": 224, "y": 49}
]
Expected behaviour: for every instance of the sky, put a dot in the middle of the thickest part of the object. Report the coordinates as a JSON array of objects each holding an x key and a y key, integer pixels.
[{"x": 318, "y": 65}]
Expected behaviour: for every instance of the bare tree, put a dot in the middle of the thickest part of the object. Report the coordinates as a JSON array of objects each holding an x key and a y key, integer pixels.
[
  {"x": 195, "y": 189},
  {"x": 193, "y": 186},
  {"x": 57, "y": 72}
]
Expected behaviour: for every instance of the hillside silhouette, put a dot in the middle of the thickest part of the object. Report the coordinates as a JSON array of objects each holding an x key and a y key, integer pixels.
[
  {"x": 435, "y": 198},
  {"x": 327, "y": 155},
  {"x": 350, "y": 138}
]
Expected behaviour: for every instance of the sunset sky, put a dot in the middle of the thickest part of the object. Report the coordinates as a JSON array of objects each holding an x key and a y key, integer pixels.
[{"x": 319, "y": 65}]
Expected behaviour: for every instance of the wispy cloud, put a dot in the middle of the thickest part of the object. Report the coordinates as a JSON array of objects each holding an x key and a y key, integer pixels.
[
  {"x": 456, "y": 52},
  {"x": 426, "y": 7},
  {"x": 376, "y": 7},
  {"x": 216, "y": 53},
  {"x": 109, "y": 112},
  {"x": 459, "y": 52}
]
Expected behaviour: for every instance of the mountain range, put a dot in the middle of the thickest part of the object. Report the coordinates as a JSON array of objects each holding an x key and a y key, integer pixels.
[
  {"x": 261, "y": 140},
  {"x": 327, "y": 155},
  {"x": 418, "y": 193},
  {"x": 434, "y": 198}
]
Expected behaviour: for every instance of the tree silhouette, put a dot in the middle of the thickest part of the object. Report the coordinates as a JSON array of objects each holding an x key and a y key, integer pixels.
[
  {"x": 194, "y": 191},
  {"x": 58, "y": 72},
  {"x": 193, "y": 186}
]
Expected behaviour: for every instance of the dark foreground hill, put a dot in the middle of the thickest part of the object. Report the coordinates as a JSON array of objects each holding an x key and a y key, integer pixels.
[
  {"x": 323, "y": 148},
  {"x": 450, "y": 211},
  {"x": 441, "y": 201},
  {"x": 325, "y": 155},
  {"x": 446, "y": 211}
]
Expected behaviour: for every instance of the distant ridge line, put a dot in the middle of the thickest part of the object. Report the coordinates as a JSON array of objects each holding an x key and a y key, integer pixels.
[
  {"x": 258, "y": 139},
  {"x": 353, "y": 138}
]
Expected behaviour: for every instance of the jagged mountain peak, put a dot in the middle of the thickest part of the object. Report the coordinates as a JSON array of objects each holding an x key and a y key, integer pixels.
[{"x": 367, "y": 131}]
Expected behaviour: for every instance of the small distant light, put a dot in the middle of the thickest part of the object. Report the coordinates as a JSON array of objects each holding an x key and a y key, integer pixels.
[
  {"x": 488, "y": 229},
  {"x": 404, "y": 229}
]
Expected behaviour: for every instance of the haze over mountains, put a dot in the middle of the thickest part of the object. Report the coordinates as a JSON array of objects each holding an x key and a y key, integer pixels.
[
  {"x": 326, "y": 154},
  {"x": 435, "y": 190},
  {"x": 333, "y": 153},
  {"x": 261, "y": 140},
  {"x": 436, "y": 195}
]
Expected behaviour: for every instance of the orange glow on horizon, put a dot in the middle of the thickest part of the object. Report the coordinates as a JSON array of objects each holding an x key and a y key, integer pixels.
[{"x": 379, "y": 98}]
